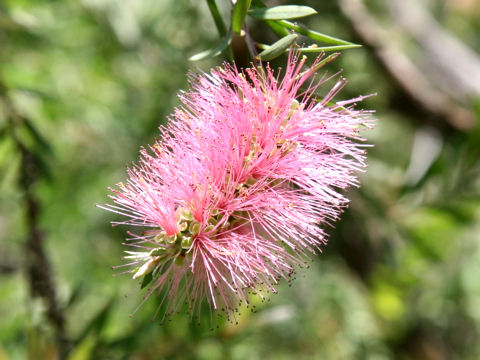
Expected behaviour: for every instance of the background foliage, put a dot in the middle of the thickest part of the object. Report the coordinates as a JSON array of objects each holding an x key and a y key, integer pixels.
[{"x": 85, "y": 83}]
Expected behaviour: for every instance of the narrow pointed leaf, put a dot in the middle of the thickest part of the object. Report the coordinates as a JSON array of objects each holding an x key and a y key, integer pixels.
[
  {"x": 146, "y": 280},
  {"x": 239, "y": 12},
  {"x": 320, "y": 64},
  {"x": 207, "y": 54},
  {"x": 314, "y": 35},
  {"x": 212, "y": 5},
  {"x": 277, "y": 48},
  {"x": 279, "y": 30},
  {"x": 282, "y": 12},
  {"x": 327, "y": 48}
]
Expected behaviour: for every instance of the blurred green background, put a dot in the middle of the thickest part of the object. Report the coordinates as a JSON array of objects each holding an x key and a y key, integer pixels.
[{"x": 85, "y": 83}]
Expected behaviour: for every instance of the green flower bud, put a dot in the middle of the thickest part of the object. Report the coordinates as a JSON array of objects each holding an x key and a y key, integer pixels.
[
  {"x": 194, "y": 228},
  {"x": 182, "y": 226},
  {"x": 209, "y": 228},
  {"x": 186, "y": 215},
  {"x": 171, "y": 239},
  {"x": 186, "y": 242},
  {"x": 160, "y": 237}
]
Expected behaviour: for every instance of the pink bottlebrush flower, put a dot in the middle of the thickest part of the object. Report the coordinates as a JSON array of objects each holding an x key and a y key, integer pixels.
[{"x": 236, "y": 194}]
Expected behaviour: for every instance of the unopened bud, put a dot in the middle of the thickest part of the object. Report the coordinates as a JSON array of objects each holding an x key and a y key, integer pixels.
[
  {"x": 182, "y": 226},
  {"x": 194, "y": 228},
  {"x": 209, "y": 228},
  {"x": 145, "y": 268},
  {"x": 186, "y": 215},
  {"x": 160, "y": 237},
  {"x": 171, "y": 239},
  {"x": 186, "y": 242}
]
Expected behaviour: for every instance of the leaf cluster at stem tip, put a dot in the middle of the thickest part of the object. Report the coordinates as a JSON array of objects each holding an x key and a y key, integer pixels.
[{"x": 277, "y": 18}]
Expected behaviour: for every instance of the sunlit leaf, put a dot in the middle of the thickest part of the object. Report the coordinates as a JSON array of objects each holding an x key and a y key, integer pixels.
[
  {"x": 314, "y": 35},
  {"x": 282, "y": 12},
  {"x": 318, "y": 49},
  {"x": 84, "y": 350},
  {"x": 277, "y": 48}
]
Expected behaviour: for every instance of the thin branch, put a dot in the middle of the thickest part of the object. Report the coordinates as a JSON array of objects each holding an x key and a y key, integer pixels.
[
  {"x": 38, "y": 267},
  {"x": 451, "y": 64}
]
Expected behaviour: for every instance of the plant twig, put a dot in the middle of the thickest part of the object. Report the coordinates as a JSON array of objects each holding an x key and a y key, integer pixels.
[
  {"x": 452, "y": 65},
  {"x": 38, "y": 268}
]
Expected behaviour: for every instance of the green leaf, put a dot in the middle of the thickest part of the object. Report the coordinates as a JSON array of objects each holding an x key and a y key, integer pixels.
[
  {"x": 282, "y": 12},
  {"x": 279, "y": 30},
  {"x": 147, "y": 279},
  {"x": 239, "y": 12},
  {"x": 207, "y": 54},
  {"x": 212, "y": 5},
  {"x": 277, "y": 48},
  {"x": 314, "y": 35},
  {"x": 317, "y": 49}
]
